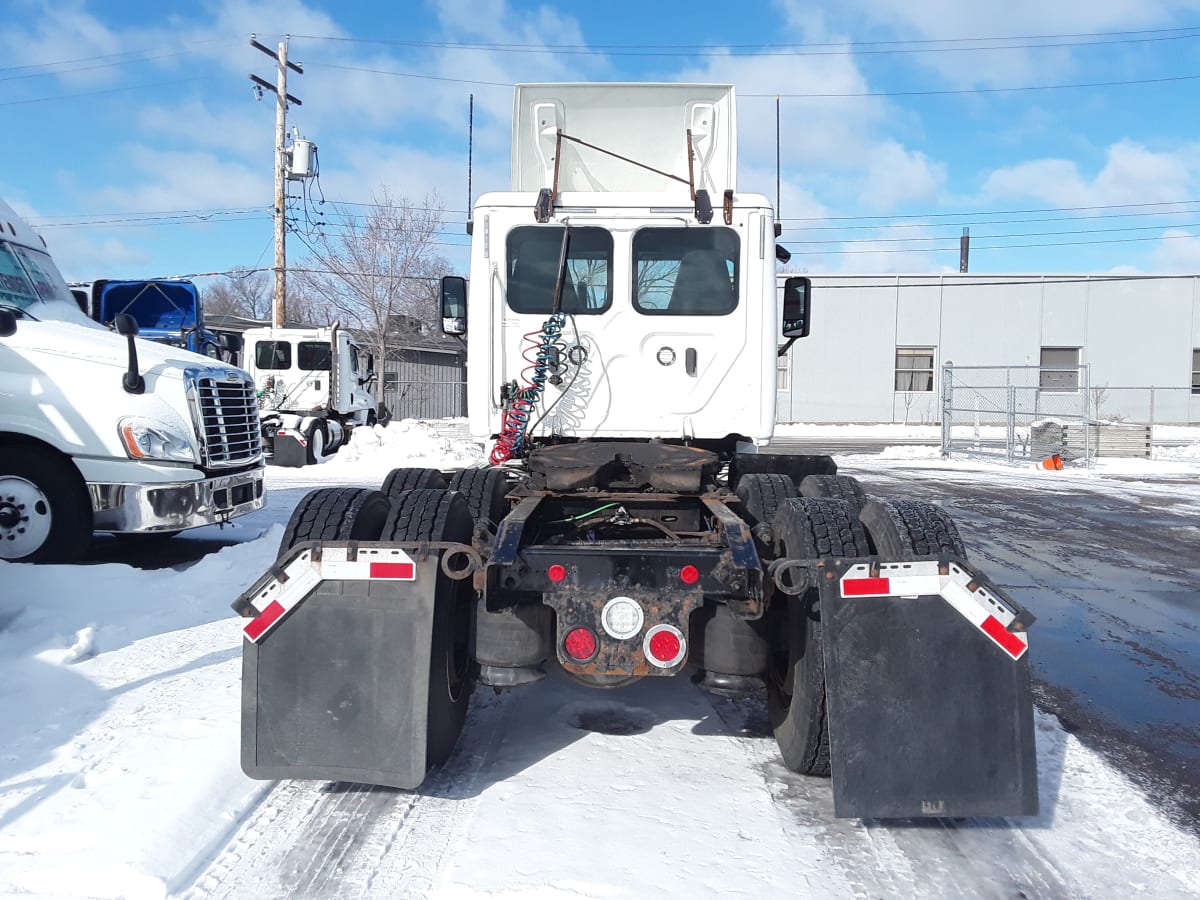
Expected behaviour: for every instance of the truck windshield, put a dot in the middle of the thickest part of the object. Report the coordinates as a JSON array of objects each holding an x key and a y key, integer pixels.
[
  {"x": 31, "y": 282},
  {"x": 685, "y": 271},
  {"x": 533, "y": 254}
]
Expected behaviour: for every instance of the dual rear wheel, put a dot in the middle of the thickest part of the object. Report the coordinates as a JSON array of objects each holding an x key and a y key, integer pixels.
[
  {"x": 429, "y": 514},
  {"x": 816, "y": 526}
]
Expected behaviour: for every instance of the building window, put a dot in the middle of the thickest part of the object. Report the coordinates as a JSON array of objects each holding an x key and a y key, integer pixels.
[
  {"x": 1060, "y": 369},
  {"x": 783, "y": 380},
  {"x": 914, "y": 369},
  {"x": 1196, "y": 371}
]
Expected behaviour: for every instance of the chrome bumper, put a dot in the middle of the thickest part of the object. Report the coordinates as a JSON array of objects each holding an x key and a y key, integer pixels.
[{"x": 175, "y": 506}]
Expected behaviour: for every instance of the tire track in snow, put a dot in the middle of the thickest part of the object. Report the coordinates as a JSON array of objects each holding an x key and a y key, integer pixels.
[
  {"x": 934, "y": 858},
  {"x": 320, "y": 840}
]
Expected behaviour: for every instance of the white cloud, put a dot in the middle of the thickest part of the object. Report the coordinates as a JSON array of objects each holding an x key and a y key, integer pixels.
[
  {"x": 1178, "y": 252},
  {"x": 946, "y": 20},
  {"x": 1132, "y": 174},
  {"x": 896, "y": 176}
]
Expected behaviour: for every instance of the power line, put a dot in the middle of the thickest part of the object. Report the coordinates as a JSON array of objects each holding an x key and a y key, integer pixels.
[
  {"x": 816, "y": 95},
  {"x": 122, "y": 54},
  {"x": 925, "y": 45},
  {"x": 114, "y": 90},
  {"x": 1161, "y": 237}
]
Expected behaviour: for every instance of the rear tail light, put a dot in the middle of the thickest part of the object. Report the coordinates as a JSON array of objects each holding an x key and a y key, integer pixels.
[
  {"x": 664, "y": 646},
  {"x": 689, "y": 574},
  {"x": 622, "y": 618},
  {"x": 580, "y": 644}
]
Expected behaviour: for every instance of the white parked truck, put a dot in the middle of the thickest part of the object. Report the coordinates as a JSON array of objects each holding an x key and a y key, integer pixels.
[
  {"x": 101, "y": 431},
  {"x": 314, "y": 387},
  {"x": 623, "y": 327}
]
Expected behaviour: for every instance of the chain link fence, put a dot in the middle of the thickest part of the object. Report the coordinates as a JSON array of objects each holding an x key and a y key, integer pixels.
[
  {"x": 1031, "y": 412},
  {"x": 1000, "y": 411}
]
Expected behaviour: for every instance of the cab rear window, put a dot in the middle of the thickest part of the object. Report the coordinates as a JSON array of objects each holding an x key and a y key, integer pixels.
[
  {"x": 533, "y": 256},
  {"x": 685, "y": 271}
]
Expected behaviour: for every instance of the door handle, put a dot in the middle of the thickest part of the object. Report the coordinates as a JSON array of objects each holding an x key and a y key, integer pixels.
[{"x": 689, "y": 361}]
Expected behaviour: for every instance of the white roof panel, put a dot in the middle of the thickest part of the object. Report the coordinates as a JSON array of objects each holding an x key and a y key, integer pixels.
[{"x": 647, "y": 123}]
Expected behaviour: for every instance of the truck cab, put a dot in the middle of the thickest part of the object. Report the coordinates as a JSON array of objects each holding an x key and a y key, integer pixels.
[
  {"x": 103, "y": 432},
  {"x": 629, "y": 305},
  {"x": 313, "y": 387}
]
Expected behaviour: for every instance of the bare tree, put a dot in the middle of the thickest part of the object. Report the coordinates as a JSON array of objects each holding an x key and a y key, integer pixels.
[
  {"x": 241, "y": 292},
  {"x": 371, "y": 270}
]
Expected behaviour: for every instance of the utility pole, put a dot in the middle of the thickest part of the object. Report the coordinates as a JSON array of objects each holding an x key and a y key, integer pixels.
[
  {"x": 279, "y": 315},
  {"x": 964, "y": 250}
]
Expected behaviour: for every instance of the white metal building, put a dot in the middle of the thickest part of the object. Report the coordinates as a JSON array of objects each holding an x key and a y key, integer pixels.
[{"x": 878, "y": 343}]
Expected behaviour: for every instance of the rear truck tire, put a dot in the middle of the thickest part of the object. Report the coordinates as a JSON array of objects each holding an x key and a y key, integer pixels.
[
  {"x": 803, "y": 529},
  {"x": 400, "y": 481},
  {"x": 336, "y": 514},
  {"x": 429, "y": 514},
  {"x": 762, "y": 494},
  {"x": 484, "y": 489},
  {"x": 907, "y": 529},
  {"x": 318, "y": 440},
  {"x": 45, "y": 513},
  {"x": 834, "y": 487}
]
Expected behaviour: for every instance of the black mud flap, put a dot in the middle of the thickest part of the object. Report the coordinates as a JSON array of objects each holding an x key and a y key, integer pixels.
[
  {"x": 335, "y": 667},
  {"x": 928, "y": 692},
  {"x": 290, "y": 450}
]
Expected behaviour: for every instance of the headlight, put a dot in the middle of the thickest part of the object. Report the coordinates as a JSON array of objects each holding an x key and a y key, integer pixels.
[{"x": 145, "y": 439}]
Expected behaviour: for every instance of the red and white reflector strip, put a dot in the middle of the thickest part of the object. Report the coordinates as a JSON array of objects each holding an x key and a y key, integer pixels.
[
  {"x": 303, "y": 573},
  {"x": 958, "y": 587}
]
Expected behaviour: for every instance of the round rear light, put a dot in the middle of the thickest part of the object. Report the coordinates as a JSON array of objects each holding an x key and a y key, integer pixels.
[
  {"x": 664, "y": 646},
  {"x": 580, "y": 644},
  {"x": 556, "y": 573},
  {"x": 622, "y": 618},
  {"x": 689, "y": 574}
]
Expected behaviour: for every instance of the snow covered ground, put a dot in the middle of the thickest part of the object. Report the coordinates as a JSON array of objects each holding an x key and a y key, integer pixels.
[{"x": 119, "y": 773}]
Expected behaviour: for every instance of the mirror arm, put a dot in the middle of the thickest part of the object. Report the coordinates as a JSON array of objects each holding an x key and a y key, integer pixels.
[{"x": 786, "y": 347}]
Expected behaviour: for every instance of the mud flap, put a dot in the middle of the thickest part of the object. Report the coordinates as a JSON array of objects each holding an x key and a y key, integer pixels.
[
  {"x": 335, "y": 670},
  {"x": 290, "y": 449},
  {"x": 928, "y": 692}
]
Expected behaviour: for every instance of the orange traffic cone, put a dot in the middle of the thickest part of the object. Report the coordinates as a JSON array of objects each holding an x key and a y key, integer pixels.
[{"x": 1052, "y": 462}]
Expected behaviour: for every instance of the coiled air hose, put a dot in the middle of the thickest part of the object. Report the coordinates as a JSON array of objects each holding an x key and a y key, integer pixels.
[{"x": 544, "y": 347}]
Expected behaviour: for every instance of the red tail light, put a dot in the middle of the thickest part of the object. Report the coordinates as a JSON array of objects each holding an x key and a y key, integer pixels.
[
  {"x": 556, "y": 573},
  {"x": 580, "y": 644},
  {"x": 664, "y": 646},
  {"x": 689, "y": 574}
]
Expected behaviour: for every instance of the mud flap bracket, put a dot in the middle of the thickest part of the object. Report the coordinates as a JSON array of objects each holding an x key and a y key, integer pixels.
[
  {"x": 336, "y": 688},
  {"x": 927, "y": 691}
]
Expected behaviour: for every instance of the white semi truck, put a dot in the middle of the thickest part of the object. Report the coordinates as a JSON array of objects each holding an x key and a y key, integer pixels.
[
  {"x": 103, "y": 432},
  {"x": 314, "y": 387},
  {"x": 623, "y": 327}
]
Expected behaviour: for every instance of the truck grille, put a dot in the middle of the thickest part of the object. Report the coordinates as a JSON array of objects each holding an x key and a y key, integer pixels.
[{"x": 227, "y": 411}]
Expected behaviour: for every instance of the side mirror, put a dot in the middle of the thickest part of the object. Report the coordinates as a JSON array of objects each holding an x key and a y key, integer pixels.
[
  {"x": 8, "y": 322},
  {"x": 126, "y": 325},
  {"x": 454, "y": 304},
  {"x": 797, "y": 313},
  {"x": 370, "y": 363},
  {"x": 230, "y": 342}
]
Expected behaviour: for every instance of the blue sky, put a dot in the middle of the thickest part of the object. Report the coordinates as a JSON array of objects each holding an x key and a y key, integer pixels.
[{"x": 135, "y": 145}]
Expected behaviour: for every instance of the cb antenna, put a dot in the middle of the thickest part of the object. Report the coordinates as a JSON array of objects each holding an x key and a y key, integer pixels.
[
  {"x": 778, "y": 201},
  {"x": 470, "y": 148}
]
